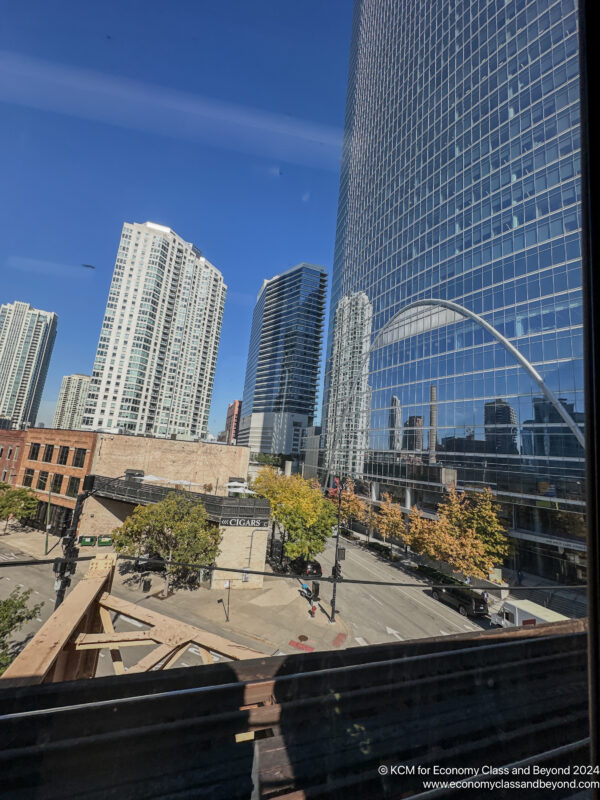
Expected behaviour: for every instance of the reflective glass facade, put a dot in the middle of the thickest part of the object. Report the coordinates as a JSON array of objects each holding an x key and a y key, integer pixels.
[
  {"x": 280, "y": 388},
  {"x": 461, "y": 181}
]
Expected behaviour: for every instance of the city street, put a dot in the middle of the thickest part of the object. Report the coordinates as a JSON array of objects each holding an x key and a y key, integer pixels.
[{"x": 383, "y": 613}]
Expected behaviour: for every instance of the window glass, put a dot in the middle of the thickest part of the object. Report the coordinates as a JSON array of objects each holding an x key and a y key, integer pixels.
[
  {"x": 79, "y": 457},
  {"x": 73, "y": 487}
]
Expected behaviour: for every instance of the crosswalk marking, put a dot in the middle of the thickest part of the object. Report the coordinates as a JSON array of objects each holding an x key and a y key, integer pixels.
[{"x": 361, "y": 641}]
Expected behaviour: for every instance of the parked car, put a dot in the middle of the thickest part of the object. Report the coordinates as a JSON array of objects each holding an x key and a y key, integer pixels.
[
  {"x": 300, "y": 566},
  {"x": 150, "y": 562},
  {"x": 466, "y": 601}
]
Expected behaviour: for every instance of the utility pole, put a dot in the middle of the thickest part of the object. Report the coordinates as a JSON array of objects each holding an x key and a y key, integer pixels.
[{"x": 337, "y": 545}]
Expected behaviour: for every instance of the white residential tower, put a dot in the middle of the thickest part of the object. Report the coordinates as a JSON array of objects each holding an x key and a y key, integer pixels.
[
  {"x": 26, "y": 341},
  {"x": 71, "y": 402},
  {"x": 157, "y": 352}
]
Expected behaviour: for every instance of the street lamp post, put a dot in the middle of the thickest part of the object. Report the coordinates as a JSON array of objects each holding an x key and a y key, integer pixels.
[
  {"x": 50, "y": 477},
  {"x": 337, "y": 546}
]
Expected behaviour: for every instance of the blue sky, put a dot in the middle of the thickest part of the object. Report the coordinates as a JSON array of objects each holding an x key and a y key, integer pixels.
[{"x": 222, "y": 120}]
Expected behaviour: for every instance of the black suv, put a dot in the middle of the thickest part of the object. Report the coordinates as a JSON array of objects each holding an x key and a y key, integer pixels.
[
  {"x": 466, "y": 601},
  {"x": 150, "y": 562},
  {"x": 301, "y": 566}
]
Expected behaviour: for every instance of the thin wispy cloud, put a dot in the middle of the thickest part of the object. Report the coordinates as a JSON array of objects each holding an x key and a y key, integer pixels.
[
  {"x": 126, "y": 103},
  {"x": 305, "y": 197},
  {"x": 38, "y": 266}
]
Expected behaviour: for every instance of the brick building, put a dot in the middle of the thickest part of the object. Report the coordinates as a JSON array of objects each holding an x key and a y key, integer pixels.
[
  {"x": 232, "y": 423},
  {"x": 53, "y": 464},
  {"x": 11, "y": 451}
]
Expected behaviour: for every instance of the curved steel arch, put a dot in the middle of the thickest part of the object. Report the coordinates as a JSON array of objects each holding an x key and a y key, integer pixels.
[{"x": 464, "y": 312}]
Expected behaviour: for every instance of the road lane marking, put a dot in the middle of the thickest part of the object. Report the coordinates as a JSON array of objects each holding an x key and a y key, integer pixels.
[
  {"x": 361, "y": 641},
  {"x": 35, "y": 591},
  {"x": 392, "y": 632},
  {"x": 374, "y": 598},
  {"x": 444, "y": 633}
]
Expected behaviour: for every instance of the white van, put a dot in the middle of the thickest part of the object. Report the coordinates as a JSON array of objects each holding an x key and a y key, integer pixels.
[{"x": 513, "y": 613}]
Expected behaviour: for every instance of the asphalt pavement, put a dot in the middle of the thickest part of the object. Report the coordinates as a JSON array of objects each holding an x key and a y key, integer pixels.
[{"x": 383, "y": 613}]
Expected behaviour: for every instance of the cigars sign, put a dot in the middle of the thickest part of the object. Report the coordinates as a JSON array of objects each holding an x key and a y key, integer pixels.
[{"x": 243, "y": 522}]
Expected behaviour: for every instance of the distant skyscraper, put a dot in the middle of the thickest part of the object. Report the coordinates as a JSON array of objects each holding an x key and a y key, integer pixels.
[
  {"x": 413, "y": 435},
  {"x": 232, "y": 423},
  {"x": 348, "y": 399},
  {"x": 283, "y": 361},
  {"x": 500, "y": 420},
  {"x": 395, "y": 424},
  {"x": 156, "y": 356},
  {"x": 71, "y": 401},
  {"x": 461, "y": 181},
  {"x": 26, "y": 341}
]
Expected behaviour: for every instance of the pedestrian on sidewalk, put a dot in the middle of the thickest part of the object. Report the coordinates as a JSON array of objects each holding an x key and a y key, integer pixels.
[{"x": 306, "y": 591}]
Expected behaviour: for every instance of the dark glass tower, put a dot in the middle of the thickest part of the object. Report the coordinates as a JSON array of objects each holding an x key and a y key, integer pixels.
[
  {"x": 280, "y": 389},
  {"x": 461, "y": 181}
]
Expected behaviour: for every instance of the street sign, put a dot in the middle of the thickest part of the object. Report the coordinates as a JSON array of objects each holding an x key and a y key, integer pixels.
[{"x": 104, "y": 541}]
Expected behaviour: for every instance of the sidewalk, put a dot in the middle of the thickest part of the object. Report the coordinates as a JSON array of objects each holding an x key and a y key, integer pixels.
[{"x": 274, "y": 618}]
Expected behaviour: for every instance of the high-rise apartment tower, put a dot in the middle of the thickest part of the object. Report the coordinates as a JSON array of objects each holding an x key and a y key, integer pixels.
[
  {"x": 156, "y": 356},
  {"x": 71, "y": 402},
  {"x": 26, "y": 340},
  {"x": 280, "y": 389}
]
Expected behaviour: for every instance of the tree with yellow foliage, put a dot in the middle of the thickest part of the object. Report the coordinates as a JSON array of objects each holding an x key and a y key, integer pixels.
[
  {"x": 390, "y": 520},
  {"x": 300, "y": 509},
  {"x": 352, "y": 508}
]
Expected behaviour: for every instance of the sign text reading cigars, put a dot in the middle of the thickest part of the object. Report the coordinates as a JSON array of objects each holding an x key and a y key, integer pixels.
[{"x": 243, "y": 522}]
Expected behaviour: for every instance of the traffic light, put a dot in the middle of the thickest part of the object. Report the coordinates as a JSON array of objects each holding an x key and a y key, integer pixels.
[
  {"x": 315, "y": 590},
  {"x": 336, "y": 571}
]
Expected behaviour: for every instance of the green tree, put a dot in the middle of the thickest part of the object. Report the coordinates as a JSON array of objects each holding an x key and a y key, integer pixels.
[
  {"x": 390, "y": 520},
  {"x": 176, "y": 529},
  {"x": 14, "y": 613},
  {"x": 19, "y": 503},
  {"x": 298, "y": 506}
]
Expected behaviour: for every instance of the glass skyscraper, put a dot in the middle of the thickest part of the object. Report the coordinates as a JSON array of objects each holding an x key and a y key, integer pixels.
[
  {"x": 280, "y": 389},
  {"x": 461, "y": 181}
]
